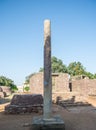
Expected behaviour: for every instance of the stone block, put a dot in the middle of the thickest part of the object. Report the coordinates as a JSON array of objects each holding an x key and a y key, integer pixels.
[
  {"x": 54, "y": 123},
  {"x": 25, "y": 103}
]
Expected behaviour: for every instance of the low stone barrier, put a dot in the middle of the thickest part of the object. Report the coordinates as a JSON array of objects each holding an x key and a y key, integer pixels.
[
  {"x": 1, "y": 95},
  {"x": 25, "y": 103},
  {"x": 6, "y": 90}
]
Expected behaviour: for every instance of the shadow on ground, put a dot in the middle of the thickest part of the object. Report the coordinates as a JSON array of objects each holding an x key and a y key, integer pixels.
[
  {"x": 71, "y": 102},
  {"x": 80, "y": 117}
]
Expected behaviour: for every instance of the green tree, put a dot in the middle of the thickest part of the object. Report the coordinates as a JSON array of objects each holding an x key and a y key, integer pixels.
[
  {"x": 57, "y": 66},
  {"x": 90, "y": 75},
  {"x": 26, "y": 88},
  {"x": 94, "y": 76},
  {"x": 41, "y": 70},
  {"x": 76, "y": 68},
  {"x": 7, "y": 82}
]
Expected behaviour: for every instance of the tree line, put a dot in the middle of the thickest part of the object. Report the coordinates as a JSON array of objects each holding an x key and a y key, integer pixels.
[
  {"x": 73, "y": 69},
  {"x": 4, "y": 81}
]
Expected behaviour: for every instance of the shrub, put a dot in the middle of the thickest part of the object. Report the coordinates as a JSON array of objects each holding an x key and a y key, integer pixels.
[{"x": 27, "y": 88}]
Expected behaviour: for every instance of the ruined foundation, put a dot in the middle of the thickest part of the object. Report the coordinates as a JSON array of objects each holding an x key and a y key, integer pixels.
[
  {"x": 55, "y": 123},
  {"x": 25, "y": 103}
]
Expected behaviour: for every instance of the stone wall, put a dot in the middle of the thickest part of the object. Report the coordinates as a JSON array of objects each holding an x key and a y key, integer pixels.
[
  {"x": 84, "y": 86},
  {"x": 68, "y": 96},
  {"x": 63, "y": 88},
  {"x": 60, "y": 82},
  {"x": 25, "y": 103},
  {"x": 6, "y": 90},
  {"x": 36, "y": 83}
]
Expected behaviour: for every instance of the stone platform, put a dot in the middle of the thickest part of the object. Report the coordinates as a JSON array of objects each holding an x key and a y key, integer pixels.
[
  {"x": 25, "y": 103},
  {"x": 54, "y": 123}
]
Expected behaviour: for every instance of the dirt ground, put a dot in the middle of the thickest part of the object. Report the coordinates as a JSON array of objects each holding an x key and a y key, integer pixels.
[{"x": 75, "y": 118}]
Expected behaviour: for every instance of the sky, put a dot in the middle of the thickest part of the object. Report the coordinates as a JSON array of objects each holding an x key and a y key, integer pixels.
[{"x": 73, "y": 35}]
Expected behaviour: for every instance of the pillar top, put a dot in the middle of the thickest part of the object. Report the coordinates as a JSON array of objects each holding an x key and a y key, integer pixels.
[{"x": 47, "y": 20}]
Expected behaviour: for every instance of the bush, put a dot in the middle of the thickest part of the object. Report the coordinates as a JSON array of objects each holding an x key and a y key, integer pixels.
[{"x": 27, "y": 88}]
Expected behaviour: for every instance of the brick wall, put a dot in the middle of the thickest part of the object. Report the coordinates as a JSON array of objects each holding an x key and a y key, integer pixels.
[
  {"x": 60, "y": 82},
  {"x": 84, "y": 86},
  {"x": 36, "y": 83},
  {"x": 81, "y": 88}
]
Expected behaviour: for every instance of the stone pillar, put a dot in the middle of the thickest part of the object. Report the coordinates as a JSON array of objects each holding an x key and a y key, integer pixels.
[
  {"x": 47, "y": 121},
  {"x": 47, "y": 71}
]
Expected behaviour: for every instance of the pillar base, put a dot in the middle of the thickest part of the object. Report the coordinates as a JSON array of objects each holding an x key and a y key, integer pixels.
[{"x": 54, "y": 123}]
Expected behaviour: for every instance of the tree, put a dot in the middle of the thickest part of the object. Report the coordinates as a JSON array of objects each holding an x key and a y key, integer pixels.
[
  {"x": 90, "y": 75},
  {"x": 41, "y": 70},
  {"x": 57, "y": 66},
  {"x": 27, "y": 88},
  {"x": 76, "y": 68},
  {"x": 94, "y": 76},
  {"x": 7, "y": 82}
]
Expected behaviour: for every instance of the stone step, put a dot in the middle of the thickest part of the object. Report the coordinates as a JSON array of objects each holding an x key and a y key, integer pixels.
[
  {"x": 15, "y": 109},
  {"x": 71, "y": 104}
]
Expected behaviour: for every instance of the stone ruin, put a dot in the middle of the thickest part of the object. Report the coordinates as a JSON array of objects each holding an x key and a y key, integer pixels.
[
  {"x": 5, "y": 91},
  {"x": 62, "y": 86},
  {"x": 25, "y": 103}
]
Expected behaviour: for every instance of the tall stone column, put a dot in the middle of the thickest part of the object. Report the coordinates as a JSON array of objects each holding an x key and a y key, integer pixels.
[
  {"x": 47, "y": 121},
  {"x": 47, "y": 71}
]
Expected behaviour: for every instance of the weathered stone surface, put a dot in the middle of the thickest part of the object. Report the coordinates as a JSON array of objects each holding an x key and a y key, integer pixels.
[
  {"x": 27, "y": 99},
  {"x": 6, "y": 90},
  {"x": 60, "y": 83},
  {"x": 62, "y": 87},
  {"x": 47, "y": 70},
  {"x": 84, "y": 86},
  {"x": 47, "y": 122},
  {"x": 25, "y": 103},
  {"x": 54, "y": 123},
  {"x": 1, "y": 94}
]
